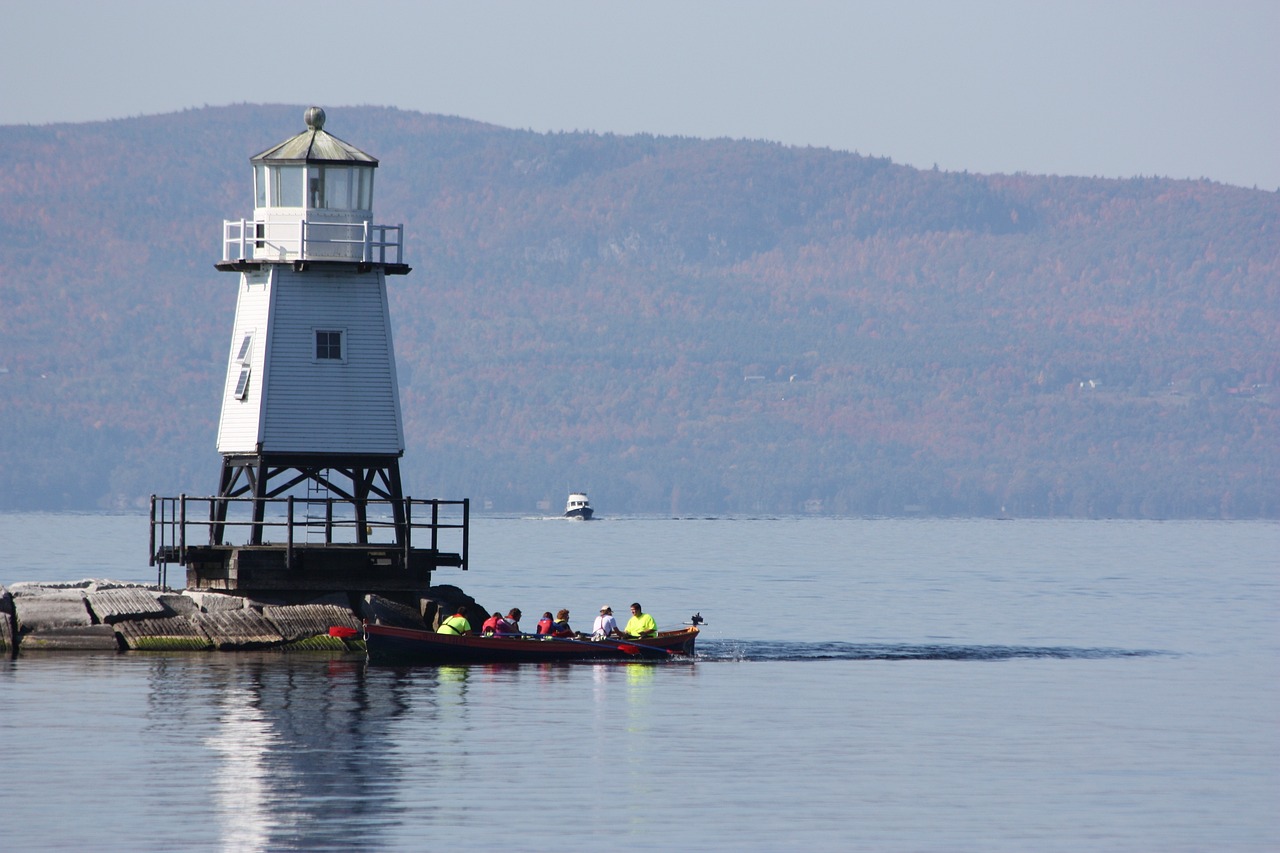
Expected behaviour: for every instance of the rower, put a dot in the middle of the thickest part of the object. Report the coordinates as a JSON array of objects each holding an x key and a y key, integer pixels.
[{"x": 640, "y": 624}]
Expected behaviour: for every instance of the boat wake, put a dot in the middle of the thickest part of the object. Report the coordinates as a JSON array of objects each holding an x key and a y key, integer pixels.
[{"x": 743, "y": 650}]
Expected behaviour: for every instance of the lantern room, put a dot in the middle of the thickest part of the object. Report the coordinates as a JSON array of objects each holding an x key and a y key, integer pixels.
[{"x": 313, "y": 200}]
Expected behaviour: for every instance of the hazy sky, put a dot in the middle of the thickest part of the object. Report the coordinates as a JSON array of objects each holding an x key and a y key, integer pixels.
[{"x": 1115, "y": 88}]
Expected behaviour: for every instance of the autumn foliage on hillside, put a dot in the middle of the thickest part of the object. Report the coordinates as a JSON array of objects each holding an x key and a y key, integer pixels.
[{"x": 676, "y": 325}]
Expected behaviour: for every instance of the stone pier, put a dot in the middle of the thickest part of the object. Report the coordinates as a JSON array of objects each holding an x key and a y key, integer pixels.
[{"x": 104, "y": 615}]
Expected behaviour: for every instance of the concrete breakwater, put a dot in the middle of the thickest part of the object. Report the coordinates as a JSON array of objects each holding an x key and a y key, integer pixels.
[{"x": 103, "y": 615}]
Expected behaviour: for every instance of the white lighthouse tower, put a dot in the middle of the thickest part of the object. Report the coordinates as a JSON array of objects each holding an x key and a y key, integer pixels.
[
  {"x": 311, "y": 378},
  {"x": 310, "y": 405}
]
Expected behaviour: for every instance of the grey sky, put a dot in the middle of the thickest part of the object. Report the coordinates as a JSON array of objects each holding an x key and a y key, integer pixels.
[{"x": 1178, "y": 89}]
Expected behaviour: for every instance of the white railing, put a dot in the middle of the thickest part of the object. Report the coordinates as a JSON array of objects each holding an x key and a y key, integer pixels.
[{"x": 264, "y": 240}]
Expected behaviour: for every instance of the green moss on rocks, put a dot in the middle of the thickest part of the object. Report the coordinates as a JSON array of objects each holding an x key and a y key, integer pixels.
[
  {"x": 169, "y": 644},
  {"x": 320, "y": 643}
]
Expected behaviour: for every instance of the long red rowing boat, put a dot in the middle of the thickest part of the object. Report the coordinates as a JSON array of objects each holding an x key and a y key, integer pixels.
[{"x": 388, "y": 644}]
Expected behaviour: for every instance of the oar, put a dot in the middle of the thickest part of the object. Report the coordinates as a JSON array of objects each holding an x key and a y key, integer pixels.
[
  {"x": 626, "y": 649},
  {"x": 581, "y": 642},
  {"x": 634, "y": 648}
]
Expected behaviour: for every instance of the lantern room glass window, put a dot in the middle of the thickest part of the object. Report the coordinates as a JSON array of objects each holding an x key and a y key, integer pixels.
[
  {"x": 259, "y": 186},
  {"x": 314, "y": 187},
  {"x": 339, "y": 188},
  {"x": 362, "y": 187},
  {"x": 286, "y": 185}
]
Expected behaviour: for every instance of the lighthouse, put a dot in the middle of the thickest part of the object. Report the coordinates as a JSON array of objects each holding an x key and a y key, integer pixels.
[{"x": 310, "y": 431}]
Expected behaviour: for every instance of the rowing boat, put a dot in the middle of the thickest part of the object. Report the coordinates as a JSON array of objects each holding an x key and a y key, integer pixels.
[{"x": 389, "y": 644}]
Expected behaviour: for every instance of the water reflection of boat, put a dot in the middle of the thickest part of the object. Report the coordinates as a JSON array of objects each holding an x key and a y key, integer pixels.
[
  {"x": 578, "y": 506},
  {"x": 389, "y": 644}
]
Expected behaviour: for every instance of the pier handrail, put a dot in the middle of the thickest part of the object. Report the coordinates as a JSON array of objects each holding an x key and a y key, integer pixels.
[{"x": 175, "y": 523}]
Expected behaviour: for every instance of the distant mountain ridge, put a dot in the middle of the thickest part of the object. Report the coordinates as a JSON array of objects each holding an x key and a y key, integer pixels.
[{"x": 681, "y": 326}]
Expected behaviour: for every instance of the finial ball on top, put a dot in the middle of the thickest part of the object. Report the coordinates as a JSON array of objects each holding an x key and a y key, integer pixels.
[{"x": 314, "y": 117}]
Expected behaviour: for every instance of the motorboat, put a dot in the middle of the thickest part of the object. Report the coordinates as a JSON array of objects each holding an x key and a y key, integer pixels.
[{"x": 578, "y": 506}]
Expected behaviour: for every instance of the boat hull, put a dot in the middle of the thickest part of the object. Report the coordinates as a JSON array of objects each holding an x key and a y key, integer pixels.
[
  {"x": 583, "y": 513},
  {"x": 387, "y": 644}
]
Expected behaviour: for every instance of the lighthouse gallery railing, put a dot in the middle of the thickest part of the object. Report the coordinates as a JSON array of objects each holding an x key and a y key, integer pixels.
[{"x": 258, "y": 239}]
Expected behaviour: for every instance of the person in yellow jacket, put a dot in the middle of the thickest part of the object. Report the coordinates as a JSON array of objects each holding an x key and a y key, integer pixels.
[
  {"x": 640, "y": 624},
  {"x": 456, "y": 624}
]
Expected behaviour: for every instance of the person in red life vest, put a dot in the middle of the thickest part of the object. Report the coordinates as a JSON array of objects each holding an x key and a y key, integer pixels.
[
  {"x": 456, "y": 624},
  {"x": 560, "y": 628},
  {"x": 490, "y": 626},
  {"x": 544, "y": 624},
  {"x": 509, "y": 625}
]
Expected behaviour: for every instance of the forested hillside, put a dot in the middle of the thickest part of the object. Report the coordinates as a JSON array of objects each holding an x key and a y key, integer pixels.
[{"x": 676, "y": 325}]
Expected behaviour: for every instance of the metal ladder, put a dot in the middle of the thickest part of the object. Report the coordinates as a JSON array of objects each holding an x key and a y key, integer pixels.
[{"x": 317, "y": 509}]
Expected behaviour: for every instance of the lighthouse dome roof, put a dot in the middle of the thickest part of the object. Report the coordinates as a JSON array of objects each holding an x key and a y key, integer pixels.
[{"x": 314, "y": 145}]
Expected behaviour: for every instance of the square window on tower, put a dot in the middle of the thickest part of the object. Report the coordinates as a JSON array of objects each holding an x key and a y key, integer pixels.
[{"x": 329, "y": 345}]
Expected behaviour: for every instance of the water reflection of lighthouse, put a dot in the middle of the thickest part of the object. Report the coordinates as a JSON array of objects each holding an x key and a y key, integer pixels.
[{"x": 304, "y": 751}]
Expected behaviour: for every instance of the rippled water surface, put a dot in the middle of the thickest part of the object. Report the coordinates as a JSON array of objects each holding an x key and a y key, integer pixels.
[{"x": 861, "y": 684}]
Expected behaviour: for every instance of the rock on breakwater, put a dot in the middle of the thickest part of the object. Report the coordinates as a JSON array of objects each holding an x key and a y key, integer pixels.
[{"x": 104, "y": 615}]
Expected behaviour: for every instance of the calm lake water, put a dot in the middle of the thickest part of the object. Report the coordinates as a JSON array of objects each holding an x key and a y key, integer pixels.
[{"x": 863, "y": 684}]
